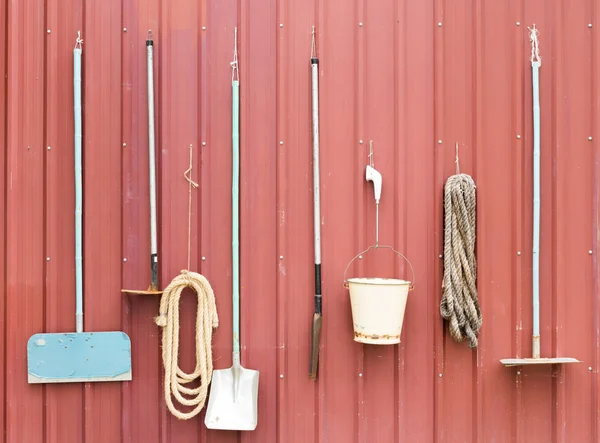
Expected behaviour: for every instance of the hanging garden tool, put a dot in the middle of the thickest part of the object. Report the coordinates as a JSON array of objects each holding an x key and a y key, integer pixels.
[
  {"x": 459, "y": 304},
  {"x": 206, "y": 320},
  {"x": 153, "y": 287},
  {"x": 377, "y": 304},
  {"x": 233, "y": 401},
  {"x": 535, "y": 359},
  {"x": 70, "y": 357},
  {"x": 317, "y": 316}
]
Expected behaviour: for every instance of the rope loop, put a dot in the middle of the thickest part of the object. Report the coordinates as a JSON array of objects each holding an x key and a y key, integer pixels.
[
  {"x": 459, "y": 304},
  {"x": 206, "y": 320}
]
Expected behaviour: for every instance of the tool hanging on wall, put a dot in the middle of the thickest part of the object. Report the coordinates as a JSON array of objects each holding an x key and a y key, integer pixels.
[
  {"x": 377, "y": 304},
  {"x": 536, "y": 62},
  {"x": 78, "y": 356},
  {"x": 153, "y": 287},
  {"x": 206, "y": 320},
  {"x": 317, "y": 316},
  {"x": 233, "y": 401},
  {"x": 460, "y": 303}
]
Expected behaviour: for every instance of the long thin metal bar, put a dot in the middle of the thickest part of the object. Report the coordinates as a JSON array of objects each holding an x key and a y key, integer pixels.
[
  {"x": 78, "y": 190},
  {"x": 235, "y": 90},
  {"x": 536, "y": 210},
  {"x": 152, "y": 164},
  {"x": 377, "y": 224},
  {"x": 316, "y": 181}
]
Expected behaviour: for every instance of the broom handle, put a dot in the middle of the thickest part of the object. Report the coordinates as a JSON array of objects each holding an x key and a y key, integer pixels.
[
  {"x": 78, "y": 191},
  {"x": 235, "y": 90}
]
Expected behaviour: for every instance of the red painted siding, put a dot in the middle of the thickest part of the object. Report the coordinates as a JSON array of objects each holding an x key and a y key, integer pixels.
[{"x": 414, "y": 77}]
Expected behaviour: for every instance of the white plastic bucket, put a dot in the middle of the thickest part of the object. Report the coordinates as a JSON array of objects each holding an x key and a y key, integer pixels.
[{"x": 378, "y": 306}]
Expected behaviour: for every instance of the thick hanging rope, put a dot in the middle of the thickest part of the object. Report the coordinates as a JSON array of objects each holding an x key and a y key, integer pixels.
[
  {"x": 206, "y": 319},
  {"x": 460, "y": 305}
]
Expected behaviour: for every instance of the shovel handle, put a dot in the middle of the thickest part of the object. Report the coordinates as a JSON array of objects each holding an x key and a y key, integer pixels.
[
  {"x": 412, "y": 282},
  {"x": 235, "y": 200}
]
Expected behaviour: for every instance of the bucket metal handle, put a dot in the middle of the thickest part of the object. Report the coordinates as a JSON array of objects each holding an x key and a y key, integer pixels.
[{"x": 412, "y": 283}]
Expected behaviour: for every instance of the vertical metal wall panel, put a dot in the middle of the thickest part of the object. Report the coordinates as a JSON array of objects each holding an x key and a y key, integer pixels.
[
  {"x": 595, "y": 135},
  {"x": 259, "y": 254},
  {"x": 295, "y": 240},
  {"x": 141, "y": 406},
  {"x": 3, "y": 217},
  {"x": 417, "y": 372},
  {"x": 538, "y": 389},
  {"x": 456, "y": 32},
  {"x": 488, "y": 154},
  {"x": 379, "y": 96},
  {"x": 340, "y": 401},
  {"x": 415, "y": 78},
  {"x": 102, "y": 221},
  {"x": 573, "y": 266},
  {"x": 25, "y": 267},
  {"x": 217, "y": 53},
  {"x": 180, "y": 95},
  {"x": 64, "y": 410}
]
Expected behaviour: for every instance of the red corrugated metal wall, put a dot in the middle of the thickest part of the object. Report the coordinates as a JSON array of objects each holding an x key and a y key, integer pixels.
[{"x": 414, "y": 77}]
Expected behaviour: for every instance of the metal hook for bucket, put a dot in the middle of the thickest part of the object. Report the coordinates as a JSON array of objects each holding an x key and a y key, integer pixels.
[{"x": 412, "y": 283}]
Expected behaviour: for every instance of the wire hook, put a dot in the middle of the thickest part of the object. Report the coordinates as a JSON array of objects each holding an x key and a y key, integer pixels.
[
  {"x": 187, "y": 171},
  {"x": 457, "y": 161},
  {"x": 313, "y": 47},
  {"x": 79, "y": 40},
  {"x": 234, "y": 63}
]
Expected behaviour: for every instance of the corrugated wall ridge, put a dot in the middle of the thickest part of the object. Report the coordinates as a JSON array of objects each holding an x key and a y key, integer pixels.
[{"x": 3, "y": 196}]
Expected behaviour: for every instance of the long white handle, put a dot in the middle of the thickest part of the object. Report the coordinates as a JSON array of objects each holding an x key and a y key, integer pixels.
[
  {"x": 152, "y": 164},
  {"x": 78, "y": 190},
  {"x": 316, "y": 165}
]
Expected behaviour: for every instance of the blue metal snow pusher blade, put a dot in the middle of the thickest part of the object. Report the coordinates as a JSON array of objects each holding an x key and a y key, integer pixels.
[{"x": 72, "y": 357}]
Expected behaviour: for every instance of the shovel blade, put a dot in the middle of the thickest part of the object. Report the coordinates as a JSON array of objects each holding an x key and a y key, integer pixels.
[
  {"x": 74, "y": 357},
  {"x": 233, "y": 400}
]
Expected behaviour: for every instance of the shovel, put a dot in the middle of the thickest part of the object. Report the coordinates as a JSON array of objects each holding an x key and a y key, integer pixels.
[
  {"x": 233, "y": 401},
  {"x": 318, "y": 314},
  {"x": 72, "y": 357}
]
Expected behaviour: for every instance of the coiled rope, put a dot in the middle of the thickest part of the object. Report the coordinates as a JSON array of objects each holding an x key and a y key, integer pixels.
[
  {"x": 206, "y": 319},
  {"x": 459, "y": 304}
]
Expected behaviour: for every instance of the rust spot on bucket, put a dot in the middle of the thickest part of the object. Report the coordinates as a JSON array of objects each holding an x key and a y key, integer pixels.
[{"x": 376, "y": 337}]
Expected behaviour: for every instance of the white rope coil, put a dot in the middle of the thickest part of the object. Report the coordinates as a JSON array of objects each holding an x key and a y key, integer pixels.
[{"x": 206, "y": 319}]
